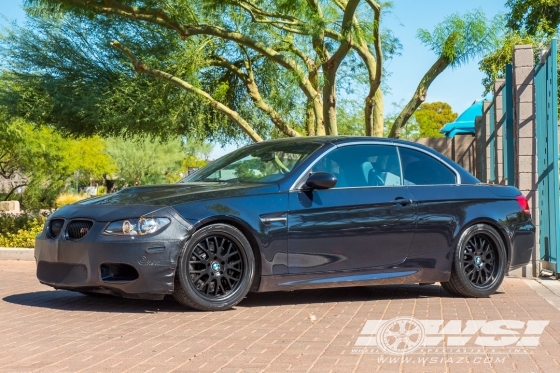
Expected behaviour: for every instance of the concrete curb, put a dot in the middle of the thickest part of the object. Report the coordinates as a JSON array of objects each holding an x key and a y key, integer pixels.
[
  {"x": 547, "y": 288},
  {"x": 8, "y": 253}
]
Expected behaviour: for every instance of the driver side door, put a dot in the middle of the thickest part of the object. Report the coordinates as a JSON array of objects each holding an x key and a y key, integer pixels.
[{"x": 366, "y": 220}]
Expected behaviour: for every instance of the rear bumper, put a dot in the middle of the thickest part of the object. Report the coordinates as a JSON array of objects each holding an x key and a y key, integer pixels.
[{"x": 523, "y": 244}]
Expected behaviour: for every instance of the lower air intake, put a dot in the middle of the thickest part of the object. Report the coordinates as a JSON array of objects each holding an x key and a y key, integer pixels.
[{"x": 61, "y": 273}]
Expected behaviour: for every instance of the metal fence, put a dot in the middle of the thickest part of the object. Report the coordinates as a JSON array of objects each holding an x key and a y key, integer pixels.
[
  {"x": 546, "y": 111},
  {"x": 533, "y": 162}
]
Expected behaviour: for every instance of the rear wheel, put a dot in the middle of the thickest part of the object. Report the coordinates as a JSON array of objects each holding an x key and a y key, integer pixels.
[
  {"x": 479, "y": 263},
  {"x": 215, "y": 269}
]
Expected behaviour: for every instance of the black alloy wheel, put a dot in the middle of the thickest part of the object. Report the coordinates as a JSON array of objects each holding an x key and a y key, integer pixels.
[
  {"x": 480, "y": 257},
  {"x": 215, "y": 269},
  {"x": 479, "y": 264},
  {"x": 215, "y": 266}
]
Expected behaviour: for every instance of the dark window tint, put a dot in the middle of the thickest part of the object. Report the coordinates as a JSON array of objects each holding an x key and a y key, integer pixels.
[
  {"x": 362, "y": 165},
  {"x": 421, "y": 169}
]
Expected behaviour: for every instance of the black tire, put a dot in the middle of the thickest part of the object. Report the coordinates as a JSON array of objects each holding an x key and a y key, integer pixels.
[
  {"x": 448, "y": 288},
  {"x": 215, "y": 270},
  {"x": 479, "y": 263}
]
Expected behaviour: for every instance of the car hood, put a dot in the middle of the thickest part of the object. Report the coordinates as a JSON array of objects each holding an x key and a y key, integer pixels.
[
  {"x": 173, "y": 194},
  {"x": 145, "y": 200}
]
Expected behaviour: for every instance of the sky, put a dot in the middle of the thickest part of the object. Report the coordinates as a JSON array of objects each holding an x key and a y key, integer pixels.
[{"x": 459, "y": 87}]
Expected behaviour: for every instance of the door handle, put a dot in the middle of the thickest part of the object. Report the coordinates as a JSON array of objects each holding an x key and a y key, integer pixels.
[{"x": 401, "y": 201}]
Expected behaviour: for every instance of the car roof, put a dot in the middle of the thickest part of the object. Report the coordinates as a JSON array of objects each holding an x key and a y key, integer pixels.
[
  {"x": 466, "y": 177},
  {"x": 340, "y": 139},
  {"x": 332, "y": 139}
]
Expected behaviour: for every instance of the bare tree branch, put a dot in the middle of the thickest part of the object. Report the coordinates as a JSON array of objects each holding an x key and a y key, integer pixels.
[
  {"x": 419, "y": 96},
  {"x": 255, "y": 95}
]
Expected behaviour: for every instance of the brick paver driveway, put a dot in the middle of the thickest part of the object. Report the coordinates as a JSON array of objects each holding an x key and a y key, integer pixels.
[{"x": 42, "y": 330}]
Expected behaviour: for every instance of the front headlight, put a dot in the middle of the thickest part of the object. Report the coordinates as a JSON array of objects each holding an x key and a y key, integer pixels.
[{"x": 133, "y": 227}]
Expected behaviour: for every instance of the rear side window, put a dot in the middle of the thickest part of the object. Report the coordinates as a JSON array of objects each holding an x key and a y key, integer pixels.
[{"x": 421, "y": 169}]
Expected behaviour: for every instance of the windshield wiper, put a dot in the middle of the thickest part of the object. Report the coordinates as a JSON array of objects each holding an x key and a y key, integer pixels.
[{"x": 217, "y": 180}]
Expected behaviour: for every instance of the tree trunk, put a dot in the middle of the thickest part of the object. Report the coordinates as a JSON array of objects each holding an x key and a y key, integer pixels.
[
  {"x": 418, "y": 97},
  {"x": 319, "y": 118},
  {"x": 378, "y": 121},
  {"x": 329, "y": 102},
  {"x": 374, "y": 114},
  {"x": 310, "y": 120},
  {"x": 368, "y": 108}
]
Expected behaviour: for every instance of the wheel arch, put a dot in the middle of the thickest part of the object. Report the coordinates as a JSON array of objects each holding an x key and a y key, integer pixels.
[{"x": 502, "y": 232}]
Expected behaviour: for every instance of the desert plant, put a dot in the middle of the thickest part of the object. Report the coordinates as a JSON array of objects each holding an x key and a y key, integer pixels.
[{"x": 68, "y": 198}]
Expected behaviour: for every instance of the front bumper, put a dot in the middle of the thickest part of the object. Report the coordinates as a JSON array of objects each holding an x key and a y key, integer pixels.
[{"x": 128, "y": 266}]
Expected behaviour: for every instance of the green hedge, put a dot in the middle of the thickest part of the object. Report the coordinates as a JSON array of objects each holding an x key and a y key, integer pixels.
[{"x": 20, "y": 230}]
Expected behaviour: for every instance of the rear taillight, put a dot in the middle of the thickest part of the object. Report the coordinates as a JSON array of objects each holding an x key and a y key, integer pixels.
[{"x": 523, "y": 204}]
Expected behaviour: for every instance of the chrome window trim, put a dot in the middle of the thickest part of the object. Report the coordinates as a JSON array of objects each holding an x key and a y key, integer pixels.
[
  {"x": 296, "y": 186},
  {"x": 336, "y": 146}
]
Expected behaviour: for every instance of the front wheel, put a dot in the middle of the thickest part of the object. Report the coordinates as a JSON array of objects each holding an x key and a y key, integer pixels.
[
  {"x": 479, "y": 263},
  {"x": 215, "y": 269}
]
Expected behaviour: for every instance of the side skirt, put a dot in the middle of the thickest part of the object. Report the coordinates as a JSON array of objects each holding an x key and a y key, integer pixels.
[{"x": 411, "y": 271}]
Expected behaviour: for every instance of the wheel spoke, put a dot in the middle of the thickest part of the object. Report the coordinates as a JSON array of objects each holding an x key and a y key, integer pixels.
[
  {"x": 205, "y": 250},
  {"x": 228, "y": 281},
  {"x": 227, "y": 254},
  {"x": 198, "y": 277},
  {"x": 218, "y": 247},
  {"x": 220, "y": 285}
]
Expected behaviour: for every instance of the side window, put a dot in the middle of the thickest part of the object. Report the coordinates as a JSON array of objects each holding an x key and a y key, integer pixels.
[
  {"x": 422, "y": 169},
  {"x": 362, "y": 165}
]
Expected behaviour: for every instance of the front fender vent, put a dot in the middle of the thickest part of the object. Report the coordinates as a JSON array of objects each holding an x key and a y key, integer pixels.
[{"x": 78, "y": 229}]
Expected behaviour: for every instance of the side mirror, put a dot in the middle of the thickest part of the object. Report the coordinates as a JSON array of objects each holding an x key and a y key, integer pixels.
[{"x": 321, "y": 180}]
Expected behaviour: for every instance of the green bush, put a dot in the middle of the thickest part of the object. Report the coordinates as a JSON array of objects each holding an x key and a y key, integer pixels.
[
  {"x": 22, "y": 238},
  {"x": 20, "y": 230}
]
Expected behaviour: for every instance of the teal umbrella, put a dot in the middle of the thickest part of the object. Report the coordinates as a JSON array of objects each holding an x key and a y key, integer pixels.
[{"x": 464, "y": 124}]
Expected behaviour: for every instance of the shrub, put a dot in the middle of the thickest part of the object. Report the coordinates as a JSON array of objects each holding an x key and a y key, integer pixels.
[
  {"x": 68, "y": 198},
  {"x": 20, "y": 230},
  {"x": 22, "y": 238},
  {"x": 11, "y": 223}
]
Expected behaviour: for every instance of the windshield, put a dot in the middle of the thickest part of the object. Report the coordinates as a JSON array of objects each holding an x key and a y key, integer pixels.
[{"x": 259, "y": 163}]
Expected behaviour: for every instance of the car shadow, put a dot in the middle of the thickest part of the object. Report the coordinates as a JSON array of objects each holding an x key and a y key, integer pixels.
[{"x": 72, "y": 301}]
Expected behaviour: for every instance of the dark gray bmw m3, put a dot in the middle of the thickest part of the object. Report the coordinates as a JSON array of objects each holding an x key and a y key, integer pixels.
[{"x": 291, "y": 214}]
